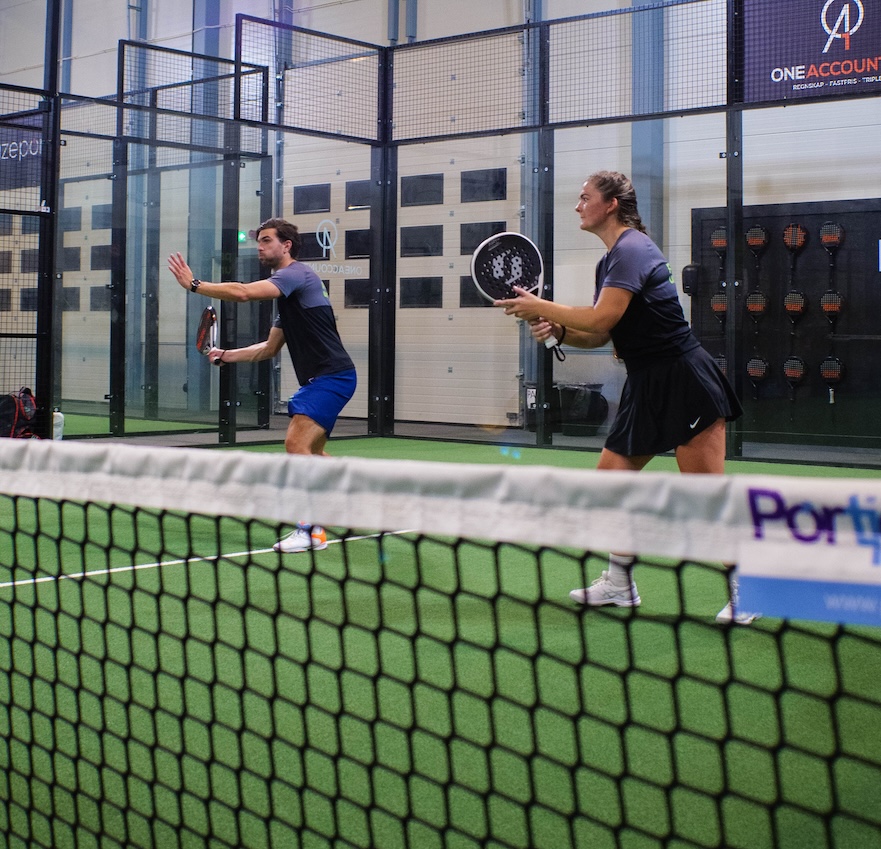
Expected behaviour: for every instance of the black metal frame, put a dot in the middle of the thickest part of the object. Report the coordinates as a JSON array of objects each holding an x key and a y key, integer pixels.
[{"x": 384, "y": 178}]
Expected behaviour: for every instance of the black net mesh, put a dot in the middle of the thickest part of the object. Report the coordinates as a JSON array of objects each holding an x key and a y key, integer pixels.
[
  {"x": 467, "y": 85},
  {"x": 654, "y": 59},
  {"x": 320, "y": 83},
  {"x": 638, "y": 61},
  {"x": 169, "y": 680},
  {"x": 191, "y": 83}
]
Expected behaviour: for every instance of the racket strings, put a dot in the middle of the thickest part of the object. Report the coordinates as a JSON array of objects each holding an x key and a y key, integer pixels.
[
  {"x": 795, "y": 237},
  {"x": 831, "y": 303},
  {"x": 757, "y": 368},
  {"x": 831, "y": 369},
  {"x": 757, "y": 238},
  {"x": 756, "y": 303},
  {"x": 794, "y": 369},
  {"x": 831, "y": 235},
  {"x": 795, "y": 304}
]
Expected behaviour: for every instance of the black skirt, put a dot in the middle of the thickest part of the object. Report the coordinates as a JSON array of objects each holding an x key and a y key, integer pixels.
[{"x": 668, "y": 403}]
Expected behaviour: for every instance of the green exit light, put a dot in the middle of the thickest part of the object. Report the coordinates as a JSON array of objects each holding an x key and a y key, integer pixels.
[{"x": 243, "y": 236}]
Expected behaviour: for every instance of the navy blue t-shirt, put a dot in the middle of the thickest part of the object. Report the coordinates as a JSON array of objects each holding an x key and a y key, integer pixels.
[
  {"x": 653, "y": 325},
  {"x": 306, "y": 318}
]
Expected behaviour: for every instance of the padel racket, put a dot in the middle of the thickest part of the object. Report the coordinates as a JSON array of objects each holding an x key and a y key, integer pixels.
[
  {"x": 831, "y": 238},
  {"x": 719, "y": 306},
  {"x": 795, "y": 304},
  {"x": 831, "y": 302},
  {"x": 719, "y": 301},
  {"x": 756, "y": 306},
  {"x": 832, "y": 370},
  {"x": 757, "y": 241},
  {"x": 506, "y": 260},
  {"x": 719, "y": 242},
  {"x": 795, "y": 237},
  {"x": 757, "y": 370},
  {"x": 206, "y": 333},
  {"x": 756, "y": 302},
  {"x": 794, "y": 370}
]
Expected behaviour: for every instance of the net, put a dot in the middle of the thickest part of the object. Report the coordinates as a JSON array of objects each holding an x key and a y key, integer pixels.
[{"x": 169, "y": 680}]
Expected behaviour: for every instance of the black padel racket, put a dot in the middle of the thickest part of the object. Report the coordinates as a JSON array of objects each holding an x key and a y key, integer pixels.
[
  {"x": 719, "y": 301},
  {"x": 795, "y": 237},
  {"x": 831, "y": 238},
  {"x": 719, "y": 306},
  {"x": 504, "y": 261},
  {"x": 757, "y": 369},
  {"x": 794, "y": 369},
  {"x": 756, "y": 306},
  {"x": 206, "y": 333},
  {"x": 757, "y": 241},
  {"x": 832, "y": 370},
  {"x": 756, "y": 302},
  {"x": 831, "y": 302},
  {"x": 719, "y": 242},
  {"x": 795, "y": 304}
]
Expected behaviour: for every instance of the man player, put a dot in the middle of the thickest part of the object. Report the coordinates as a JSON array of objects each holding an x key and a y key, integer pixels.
[{"x": 307, "y": 325}]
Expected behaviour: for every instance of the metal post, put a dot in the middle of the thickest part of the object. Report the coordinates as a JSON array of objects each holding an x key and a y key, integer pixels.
[
  {"x": 734, "y": 217},
  {"x": 45, "y": 354},
  {"x": 383, "y": 266}
]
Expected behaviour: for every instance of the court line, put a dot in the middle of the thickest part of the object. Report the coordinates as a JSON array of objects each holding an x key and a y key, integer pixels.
[{"x": 27, "y": 582}]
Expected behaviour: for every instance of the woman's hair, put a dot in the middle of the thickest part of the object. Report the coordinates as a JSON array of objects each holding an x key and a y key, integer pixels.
[
  {"x": 613, "y": 184},
  {"x": 286, "y": 231}
]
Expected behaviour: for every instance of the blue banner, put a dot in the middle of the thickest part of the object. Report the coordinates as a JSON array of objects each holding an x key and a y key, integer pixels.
[
  {"x": 810, "y": 48},
  {"x": 822, "y": 601}
]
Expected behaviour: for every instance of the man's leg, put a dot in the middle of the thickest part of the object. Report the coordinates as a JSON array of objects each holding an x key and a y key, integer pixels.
[{"x": 304, "y": 436}]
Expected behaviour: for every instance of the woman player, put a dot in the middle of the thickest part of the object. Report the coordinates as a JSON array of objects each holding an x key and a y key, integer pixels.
[{"x": 675, "y": 396}]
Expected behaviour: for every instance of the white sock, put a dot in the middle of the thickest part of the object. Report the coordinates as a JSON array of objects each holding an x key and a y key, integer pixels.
[{"x": 619, "y": 569}]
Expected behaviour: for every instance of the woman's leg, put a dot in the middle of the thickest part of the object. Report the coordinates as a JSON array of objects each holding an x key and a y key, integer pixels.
[{"x": 615, "y": 585}]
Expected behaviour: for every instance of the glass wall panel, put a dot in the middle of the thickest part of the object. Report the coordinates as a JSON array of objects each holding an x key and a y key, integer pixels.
[
  {"x": 457, "y": 362},
  {"x": 342, "y": 171}
]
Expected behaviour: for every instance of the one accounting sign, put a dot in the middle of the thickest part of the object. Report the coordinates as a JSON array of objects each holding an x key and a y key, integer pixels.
[{"x": 806, "y": 48}]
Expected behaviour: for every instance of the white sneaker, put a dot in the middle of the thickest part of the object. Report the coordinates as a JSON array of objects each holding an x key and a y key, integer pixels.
[
  {"x": 603, "y": 591},
  {"x": 304, "y": 538},
  {"x": 732, "y": 613}
]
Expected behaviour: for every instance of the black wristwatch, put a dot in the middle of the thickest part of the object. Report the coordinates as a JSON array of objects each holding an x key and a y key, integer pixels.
[{"x": 194, "y": 286}]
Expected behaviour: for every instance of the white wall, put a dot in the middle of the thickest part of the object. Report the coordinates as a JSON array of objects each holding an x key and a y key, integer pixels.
[{"x": 22, "y": 42}]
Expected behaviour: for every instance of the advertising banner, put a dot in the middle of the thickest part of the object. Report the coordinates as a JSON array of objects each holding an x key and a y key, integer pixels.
[
  {"x": 806, "y": 48},
  {"x": 21, "y": 156},
  {"x": 812, "y": 554}
]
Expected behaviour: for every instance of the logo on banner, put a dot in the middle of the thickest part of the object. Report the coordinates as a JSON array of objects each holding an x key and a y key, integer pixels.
[
  {"x": 20, "y": 159},
  {"x": 804, "y": 48},
  {"x": 848, "y": 21},
  {"x": 809, "y": 523},
  {"x": 326, "y": 234}
]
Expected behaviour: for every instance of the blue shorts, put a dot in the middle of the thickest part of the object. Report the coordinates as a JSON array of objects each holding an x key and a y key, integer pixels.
[{"x": 323, "y": 398}]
